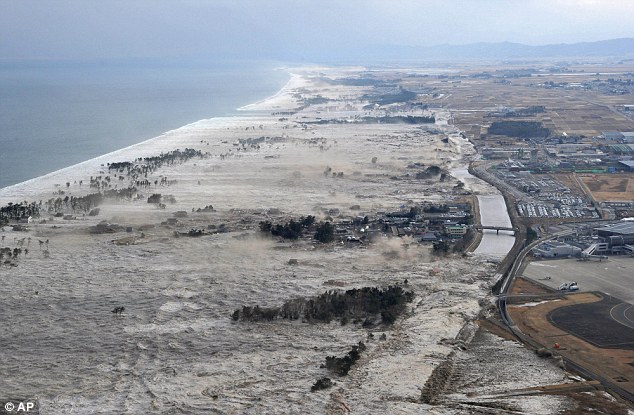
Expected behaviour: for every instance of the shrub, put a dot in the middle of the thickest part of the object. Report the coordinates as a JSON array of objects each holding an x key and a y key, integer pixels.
[{"x": 323, "y": 383}]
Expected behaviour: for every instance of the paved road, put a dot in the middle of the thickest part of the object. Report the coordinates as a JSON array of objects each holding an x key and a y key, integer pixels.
[
  {"x": 624, "y": 314},
  {"x": 614, "y": 276}
]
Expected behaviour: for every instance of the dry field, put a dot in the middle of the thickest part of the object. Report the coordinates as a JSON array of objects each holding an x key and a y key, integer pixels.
[
  {"x": 575, "y": 112},
  {"x": 610, "y": 187}
]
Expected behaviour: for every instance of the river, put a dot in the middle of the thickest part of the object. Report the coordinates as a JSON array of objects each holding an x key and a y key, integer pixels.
[{"x": 492, "y": 213}]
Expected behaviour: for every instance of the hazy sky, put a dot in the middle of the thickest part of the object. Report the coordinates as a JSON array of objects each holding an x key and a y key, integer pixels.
[{"x": 292, "y": 28}]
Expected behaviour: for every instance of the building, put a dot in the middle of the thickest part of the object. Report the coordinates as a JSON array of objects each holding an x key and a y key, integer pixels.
[
  {"x": 627, "y": 164},
  {"x": 555, "y": 249},
  {"x": 456, "y": 230},
  {"x": 617, "y": 235},
  {"x": 612, "y": 135}
]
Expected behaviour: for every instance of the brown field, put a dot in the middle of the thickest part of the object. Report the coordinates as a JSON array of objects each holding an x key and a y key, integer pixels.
[
  {"x": 533, "y": 321},
  {"x": 574, "y": 112},
  {"x": 610, "y": 187}
]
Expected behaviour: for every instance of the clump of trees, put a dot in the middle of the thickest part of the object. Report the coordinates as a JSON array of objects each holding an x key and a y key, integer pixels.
[
  {"x": 289, "y": 230},
  {"x": 341, "y": 365},
  {"x": 18, "y": 210},
  {"x": 158, "y": 199},
  {"x": 436, "y": 209},
  {"x": 441, "y": 247},
  {"x": 403, "y": 95},
  {"x": 325, "y": 232},
  {"x": 429, "y": 173},
  {"x": 399, "y": 119},
  {"x": 88, "y": 202},
  {"x": 321, "y": 384},
  {"x": 522, "y": 129},
  {"x": 361, "y": 305}
]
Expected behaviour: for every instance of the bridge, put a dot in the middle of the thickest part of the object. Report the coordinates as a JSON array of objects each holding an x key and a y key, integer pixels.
[{"x": 497, "y": 228}]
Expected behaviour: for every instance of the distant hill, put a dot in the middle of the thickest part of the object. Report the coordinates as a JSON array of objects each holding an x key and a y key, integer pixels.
[
  {"x": 613, "y": 47},
  {"x": 620, "y": 48}
]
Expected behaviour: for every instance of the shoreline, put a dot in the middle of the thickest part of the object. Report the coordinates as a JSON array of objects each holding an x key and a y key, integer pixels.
[
  {"x": 245, "y": 108},
  {"x": 236, "y": 112},
  {"x": 257, "y": 106}
]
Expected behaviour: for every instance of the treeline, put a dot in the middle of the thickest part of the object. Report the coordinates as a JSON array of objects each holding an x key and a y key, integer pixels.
[
  {"x": 18, "y": 210},
  {"x": 90, "y": 201},
  {"x": 144, "y": 165},
  {"x": 364, "y": 305},
  {"x": 521, "y": 129},
  {"x": 403, "y": 95},
  {"x": 400, "y": 119},
  {"x": 357, "y": 82}
]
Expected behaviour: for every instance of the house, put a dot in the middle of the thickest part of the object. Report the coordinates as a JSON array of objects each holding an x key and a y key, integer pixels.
[{"x": 429, "y": 237}]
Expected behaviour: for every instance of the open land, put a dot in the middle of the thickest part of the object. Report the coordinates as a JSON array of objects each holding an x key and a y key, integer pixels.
[{"x": 343, "y": 145}]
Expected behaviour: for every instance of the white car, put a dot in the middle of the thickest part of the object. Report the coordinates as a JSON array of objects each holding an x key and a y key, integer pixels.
[{"x": 569, "y": 286}]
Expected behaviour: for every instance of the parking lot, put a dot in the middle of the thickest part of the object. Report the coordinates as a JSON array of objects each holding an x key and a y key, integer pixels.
[{"x": 614, "y": 276}]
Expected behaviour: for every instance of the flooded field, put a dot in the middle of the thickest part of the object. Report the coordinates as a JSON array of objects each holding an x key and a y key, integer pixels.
[{"x": 176, "y": 348}]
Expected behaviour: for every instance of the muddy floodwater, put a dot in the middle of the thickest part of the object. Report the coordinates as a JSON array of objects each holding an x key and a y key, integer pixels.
[{"x": 183, "y": 268}]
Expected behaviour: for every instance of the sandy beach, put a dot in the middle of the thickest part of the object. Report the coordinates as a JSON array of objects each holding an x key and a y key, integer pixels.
[{"x": 181, "y": 269}]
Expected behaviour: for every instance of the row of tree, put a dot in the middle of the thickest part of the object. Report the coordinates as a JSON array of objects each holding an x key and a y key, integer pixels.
[
  {"x": 19, "y": 210},
  {"x": 359, "y": 305}
]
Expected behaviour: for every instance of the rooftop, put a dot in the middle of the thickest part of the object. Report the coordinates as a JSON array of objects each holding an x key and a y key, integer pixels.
[{"x": 626, "y": 228}]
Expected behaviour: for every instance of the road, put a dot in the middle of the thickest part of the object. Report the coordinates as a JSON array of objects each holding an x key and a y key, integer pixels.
[{"x": 614, "y": 276}]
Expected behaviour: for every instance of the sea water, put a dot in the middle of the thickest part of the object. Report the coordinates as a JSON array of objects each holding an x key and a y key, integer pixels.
[{"x": 54, "y": 114}]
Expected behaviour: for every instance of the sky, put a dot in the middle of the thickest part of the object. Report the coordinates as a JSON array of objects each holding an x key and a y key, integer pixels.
[{"x": 282, "y": 29}]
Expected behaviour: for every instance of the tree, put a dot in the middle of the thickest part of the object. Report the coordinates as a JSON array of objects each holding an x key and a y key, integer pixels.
[
  {"x": 441, "y": 247},
  {"x": 325, "y": 232}
]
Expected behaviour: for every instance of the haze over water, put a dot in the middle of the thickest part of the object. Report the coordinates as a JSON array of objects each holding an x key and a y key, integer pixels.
[{"x": 55, "y": 114}]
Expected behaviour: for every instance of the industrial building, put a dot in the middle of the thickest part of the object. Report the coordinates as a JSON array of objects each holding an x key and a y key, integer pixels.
[
  {"x": 555, "y": 249},
  {"x": 627, "y": 164},
  {"x": 618, "y": 236}
]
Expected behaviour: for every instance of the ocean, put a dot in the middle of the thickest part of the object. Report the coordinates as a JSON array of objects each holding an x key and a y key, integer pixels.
[{"x": 56, "y": 114}]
